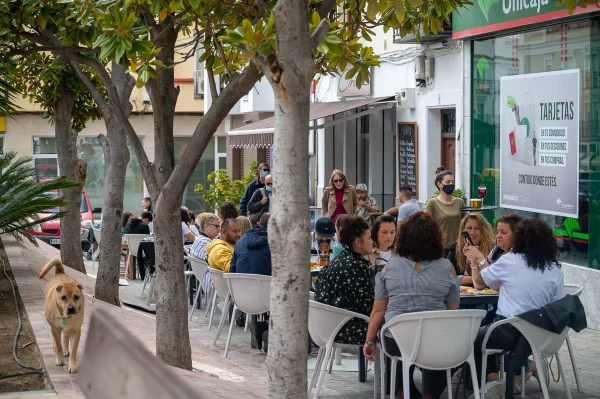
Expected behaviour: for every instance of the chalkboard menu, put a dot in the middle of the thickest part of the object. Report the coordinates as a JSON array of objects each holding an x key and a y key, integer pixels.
[{"x": 408, "y": 156}]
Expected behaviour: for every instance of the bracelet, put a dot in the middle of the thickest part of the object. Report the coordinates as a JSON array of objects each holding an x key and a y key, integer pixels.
[{"x": 369, "y": 343}]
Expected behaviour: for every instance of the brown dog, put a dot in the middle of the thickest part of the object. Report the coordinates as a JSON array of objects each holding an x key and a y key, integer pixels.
[{"x": 64, "y": 312}]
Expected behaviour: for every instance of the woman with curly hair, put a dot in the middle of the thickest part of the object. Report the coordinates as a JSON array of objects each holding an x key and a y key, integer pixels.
[
  {"x": 418, "y": 279},
  {"x": 228, "y": 211},
  {"x": 531, "y": 277},
  {"x": 481, "y": 235}
]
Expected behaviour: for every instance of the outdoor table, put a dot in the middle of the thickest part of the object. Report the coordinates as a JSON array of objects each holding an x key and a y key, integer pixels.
[
  {"x": 483, "y": 208},
  {"x": 374, "y": 216}
]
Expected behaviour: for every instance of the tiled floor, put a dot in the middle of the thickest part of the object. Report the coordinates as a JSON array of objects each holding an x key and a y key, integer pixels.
[{"x": 243, "y": 373}]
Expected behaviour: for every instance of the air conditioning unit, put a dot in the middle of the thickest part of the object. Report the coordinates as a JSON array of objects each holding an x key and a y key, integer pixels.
[
  {"x": 199, "y": 83},
  {"x": 406, "y": 98}
]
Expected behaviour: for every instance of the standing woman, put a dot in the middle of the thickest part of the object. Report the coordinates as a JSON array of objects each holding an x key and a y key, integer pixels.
[
  {"x": 446, "y": 209},
  {"x": 339, "y": 197}
]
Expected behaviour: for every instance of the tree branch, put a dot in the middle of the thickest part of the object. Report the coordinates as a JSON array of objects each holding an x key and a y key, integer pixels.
[
  {"x": 212, "y": 84},
  {"x": 319, "y": 34},
  {"x": 208, "y": 125},
  {"x": 325, "y": 7},
  {"x": 94, "y": 92}
]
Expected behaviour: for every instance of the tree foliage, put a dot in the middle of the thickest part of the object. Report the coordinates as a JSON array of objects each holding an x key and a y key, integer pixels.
[
  {"x": 23, "y": 197},
  {"x": 222, "y": 187}
]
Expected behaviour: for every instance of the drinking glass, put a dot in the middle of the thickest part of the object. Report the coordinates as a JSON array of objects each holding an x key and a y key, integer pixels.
[{"x": 482, "y": 192}]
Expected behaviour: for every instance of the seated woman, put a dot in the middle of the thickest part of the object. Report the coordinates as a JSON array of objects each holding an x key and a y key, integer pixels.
[
  {"x": 531, "y": 277},
  {"x": 418, "y": 279},
  {"x": 505, "y": 232},
  {"x": 383, "y": 233},
  {"x": 127, "y": 216},
  {"x": 339, "y": 225},
  {"x": 481, "y": 234},
  {"x": 345, "y": 283},
  {"x": 186, "y": 234}
]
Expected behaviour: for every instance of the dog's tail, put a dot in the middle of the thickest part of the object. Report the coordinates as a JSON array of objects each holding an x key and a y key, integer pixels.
[{"x": 57, "y": 264}]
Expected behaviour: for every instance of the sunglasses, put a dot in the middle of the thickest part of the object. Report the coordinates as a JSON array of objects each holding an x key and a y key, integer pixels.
[
  {"x": 338, "y": 180},
  {"x": 269, "y": 184},
  {"x": 266, "y": 170}
]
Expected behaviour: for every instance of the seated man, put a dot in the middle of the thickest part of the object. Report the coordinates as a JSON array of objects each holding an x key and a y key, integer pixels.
[
  {"x": 252, "y": 254},
  {"x": 323, "y": 238},
  {"x": 209, "y": 230},
  {"x": 366, "y": 203},
  {"x": 136, "y": 226},
  {"x": 147, "y": 218},
  {"x": 220, "y": 251}
]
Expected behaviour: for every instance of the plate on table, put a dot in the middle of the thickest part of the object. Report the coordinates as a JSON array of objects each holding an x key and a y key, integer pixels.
[
  {"x": 467, "y": 290},
  {"x": 487, "y": 291}
]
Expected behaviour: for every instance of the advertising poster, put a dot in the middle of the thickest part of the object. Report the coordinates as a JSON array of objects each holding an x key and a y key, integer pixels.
[{"x": 539, "y": 142}]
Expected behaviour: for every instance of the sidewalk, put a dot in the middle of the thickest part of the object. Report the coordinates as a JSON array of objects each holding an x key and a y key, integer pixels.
[{"x": 243, "y": 373}]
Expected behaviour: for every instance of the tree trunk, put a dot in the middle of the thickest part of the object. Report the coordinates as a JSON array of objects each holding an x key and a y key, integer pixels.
[
  {"x": 75, "y": 169},
  {"x": 289, "y": 228},
  {"x": 172, "y": 335},
  {"x": 116, "y": 158}
]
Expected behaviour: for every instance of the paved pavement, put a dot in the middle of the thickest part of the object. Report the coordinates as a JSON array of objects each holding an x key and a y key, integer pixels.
[{"x": 243, "y": 373}]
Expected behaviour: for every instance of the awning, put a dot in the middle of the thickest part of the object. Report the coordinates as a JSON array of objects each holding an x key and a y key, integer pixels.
[{"x": 260, "y": 134}]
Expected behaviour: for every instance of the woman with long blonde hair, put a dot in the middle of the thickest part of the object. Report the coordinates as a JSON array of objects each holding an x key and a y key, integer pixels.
[
  {"x": 339, "y": 198},
  {"x": 481, "y": 234}
]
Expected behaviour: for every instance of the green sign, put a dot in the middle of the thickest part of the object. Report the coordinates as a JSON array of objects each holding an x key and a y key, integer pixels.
[{"x": 486, "y": 16}]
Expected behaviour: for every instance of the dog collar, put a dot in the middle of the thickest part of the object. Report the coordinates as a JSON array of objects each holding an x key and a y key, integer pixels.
[{"x": 63, "y": 317}]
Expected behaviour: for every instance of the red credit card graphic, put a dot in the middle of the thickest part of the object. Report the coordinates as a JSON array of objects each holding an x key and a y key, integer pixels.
[{"x": 513, "y": 145}]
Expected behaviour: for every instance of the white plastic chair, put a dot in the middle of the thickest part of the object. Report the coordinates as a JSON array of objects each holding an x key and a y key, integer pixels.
[
  {"x": 133, "y": 243},
  {"x": 221, "y": 289},
  {"x": 324, "y": 323},
  {"x": 436, "y": 340},
  {"x": 543, "y": 343},
  {"x": 199, "y": 267},
  {"x": 250, "y": 294},
  {"x": 97, "y": 236},
  {"x": 571, "y": 289}
]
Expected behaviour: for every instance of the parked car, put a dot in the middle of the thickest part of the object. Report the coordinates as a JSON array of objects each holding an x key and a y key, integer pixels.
[{"x": 49, "y": 232}]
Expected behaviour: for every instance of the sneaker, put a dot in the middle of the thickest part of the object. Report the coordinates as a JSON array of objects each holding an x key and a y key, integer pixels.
[
  {"x": 517, "y": 383},
  {"x": 493, "y": 390},
  {"x": 544, "y": 369}
]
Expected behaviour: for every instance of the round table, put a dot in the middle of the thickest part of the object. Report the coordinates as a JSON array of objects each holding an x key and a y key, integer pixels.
[
  {"x": 483, "y": 208},
  {"x": 478, "y": 299}
]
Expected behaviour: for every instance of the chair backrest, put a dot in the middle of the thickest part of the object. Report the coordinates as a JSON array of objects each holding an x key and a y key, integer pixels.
[
  {"x": 97, "y": 234},
  {"x": 134, "y": 240},
  {"x": 250, "y": 292},
  {"x": 572, "y": 289},
  {"x": 436, "y": 340},
  {"x": 219, "y": 282},
  {"x": 325, "y": 321},
  {"x": 546, "y": 342},
  {"x": 199, "y": 267}
]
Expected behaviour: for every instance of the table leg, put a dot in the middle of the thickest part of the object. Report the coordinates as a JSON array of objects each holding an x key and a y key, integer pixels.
[
  {"x": 509, "y": 372},
  {"x": 362, "y": 366}
]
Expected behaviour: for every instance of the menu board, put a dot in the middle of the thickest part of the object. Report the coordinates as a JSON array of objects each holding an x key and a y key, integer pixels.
[{"x": 408, "y": 156}]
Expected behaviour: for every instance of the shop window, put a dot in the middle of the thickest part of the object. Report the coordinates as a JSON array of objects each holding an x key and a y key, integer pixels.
[
  {"x": 578, "y": 240},
  {"x": 89, "y": 149}
]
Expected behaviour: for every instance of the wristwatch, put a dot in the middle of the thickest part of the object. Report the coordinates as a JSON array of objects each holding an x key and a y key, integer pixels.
[
  {"x": 369, "y": 343},
  {"x": 483, "y": 262}
]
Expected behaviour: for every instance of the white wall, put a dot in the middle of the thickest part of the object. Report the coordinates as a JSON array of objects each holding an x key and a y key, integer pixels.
[
  {"x": 260, "y": 99},
  {"x": 444, "y": 92}
]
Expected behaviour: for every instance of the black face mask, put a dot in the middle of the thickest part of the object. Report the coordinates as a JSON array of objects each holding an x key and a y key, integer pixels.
[{"x": 448, "y": 188}]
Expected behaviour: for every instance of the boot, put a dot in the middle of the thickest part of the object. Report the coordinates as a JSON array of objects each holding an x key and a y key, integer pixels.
[
  {"x": 255, "y": 335},
  {"x": 265, "y": 341}
]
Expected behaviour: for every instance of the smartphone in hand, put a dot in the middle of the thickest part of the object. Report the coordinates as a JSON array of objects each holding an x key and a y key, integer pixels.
[{"x": 467, "y": 237}]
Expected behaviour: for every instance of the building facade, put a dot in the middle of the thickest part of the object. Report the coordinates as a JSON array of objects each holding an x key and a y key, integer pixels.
[{"x": 524, "y": 62}]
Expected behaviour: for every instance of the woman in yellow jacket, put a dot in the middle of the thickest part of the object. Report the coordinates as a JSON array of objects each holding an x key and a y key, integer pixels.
[{"x": 339, "y": 198}]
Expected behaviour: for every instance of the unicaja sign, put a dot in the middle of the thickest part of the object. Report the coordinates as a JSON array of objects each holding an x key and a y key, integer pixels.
[{"x": 509, "y": 6}]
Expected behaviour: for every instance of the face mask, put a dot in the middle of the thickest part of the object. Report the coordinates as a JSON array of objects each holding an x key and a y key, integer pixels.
[
  {"x": 448, "y": 188},
  {"x": 269, "y": 188},
  {"x": 265, "y": 174}
]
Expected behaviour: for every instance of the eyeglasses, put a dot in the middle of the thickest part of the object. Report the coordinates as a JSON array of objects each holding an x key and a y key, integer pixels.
[
  {"x": 338, "y": 180},
  {"x": 214, "y": 225},
  {"x": 269, "y": 184}
]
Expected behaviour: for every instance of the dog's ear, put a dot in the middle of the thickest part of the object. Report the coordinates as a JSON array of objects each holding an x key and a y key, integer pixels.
[
  {"x": 59, "y": 287},
  {"x": 80, "y": 287}
]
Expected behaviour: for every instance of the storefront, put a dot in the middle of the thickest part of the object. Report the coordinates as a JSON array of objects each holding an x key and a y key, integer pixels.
[{"x": 535, "y": 106}]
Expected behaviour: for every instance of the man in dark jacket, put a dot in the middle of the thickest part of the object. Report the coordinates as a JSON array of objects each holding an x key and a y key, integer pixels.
[
  {"x": 137, "y": 226},
  {"x": 252, "y": 254},
  {"x": 262, "y": 199},
  {"x": 263, "y": 171}
]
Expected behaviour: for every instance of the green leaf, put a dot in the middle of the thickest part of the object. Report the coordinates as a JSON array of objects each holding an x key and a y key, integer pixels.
[
  {"x": 247, "y": 30},
  {"x": 323, "y": 48},
  {"x": 333, "y": 39},
  {"x": 315, "y": 18}
]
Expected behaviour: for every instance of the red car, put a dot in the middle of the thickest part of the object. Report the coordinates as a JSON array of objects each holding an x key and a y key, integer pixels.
[{"x": 49, "y": 232}]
